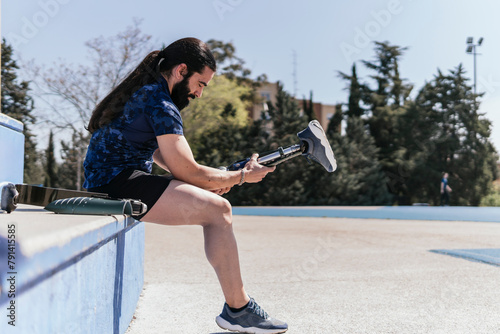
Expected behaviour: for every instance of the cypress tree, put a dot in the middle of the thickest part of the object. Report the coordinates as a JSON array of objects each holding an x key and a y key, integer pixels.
[
  {"x": 308, "y": 107},
  {"x": 359, "y": 179},
  {"x": 387, "y": 102},
  {"x": 51, "y": 170},
  {"x": 355, "y": 93},
  {"x": 335, "y": 124},
  {"x": 71, "y": 174}
]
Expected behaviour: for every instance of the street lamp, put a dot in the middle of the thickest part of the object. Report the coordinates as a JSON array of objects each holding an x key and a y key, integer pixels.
[{"x": 471, "y": 49}]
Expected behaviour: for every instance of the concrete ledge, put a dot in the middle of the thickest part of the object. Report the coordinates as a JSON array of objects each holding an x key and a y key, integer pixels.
[
  {"x": 68, "y": 273},
  {"x": 11, "y": 123},
  {"x": 11, "y": 149}
]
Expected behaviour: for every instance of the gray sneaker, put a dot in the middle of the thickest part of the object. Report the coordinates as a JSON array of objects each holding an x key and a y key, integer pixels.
[{"x": 252, "y": 319}]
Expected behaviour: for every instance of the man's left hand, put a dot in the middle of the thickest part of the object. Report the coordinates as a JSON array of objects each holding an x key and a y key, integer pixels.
[{"x": 221, "y": 191}]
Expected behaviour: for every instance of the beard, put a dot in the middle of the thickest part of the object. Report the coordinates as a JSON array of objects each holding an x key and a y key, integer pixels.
[{"x": 180, "y": 94}]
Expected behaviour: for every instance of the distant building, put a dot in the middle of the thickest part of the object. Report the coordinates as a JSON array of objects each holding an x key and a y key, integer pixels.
[{"x": 268, "y": 91}]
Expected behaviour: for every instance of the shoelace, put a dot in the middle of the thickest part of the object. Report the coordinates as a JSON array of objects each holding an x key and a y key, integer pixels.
[{"x": 256, "y": 309}]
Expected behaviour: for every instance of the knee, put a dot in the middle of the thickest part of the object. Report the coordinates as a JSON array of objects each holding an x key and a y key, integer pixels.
[
  {"x": 224, "y": 210},
  {"x": 227, "y": 210}
]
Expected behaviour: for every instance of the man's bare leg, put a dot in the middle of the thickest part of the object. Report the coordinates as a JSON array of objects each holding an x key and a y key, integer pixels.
[{"x": 184, "y": 204}]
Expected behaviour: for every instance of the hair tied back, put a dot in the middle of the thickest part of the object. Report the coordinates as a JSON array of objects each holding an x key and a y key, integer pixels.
[{"x": 159, "y": 63}]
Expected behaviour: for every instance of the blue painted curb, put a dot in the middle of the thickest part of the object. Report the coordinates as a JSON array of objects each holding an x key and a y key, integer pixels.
[
  {"x": 455, "y": 213},
  {"x": 488, "y": 255}
]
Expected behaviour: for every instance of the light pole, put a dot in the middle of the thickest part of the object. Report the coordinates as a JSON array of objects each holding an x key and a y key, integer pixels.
[{"x": 471, "y": 49}]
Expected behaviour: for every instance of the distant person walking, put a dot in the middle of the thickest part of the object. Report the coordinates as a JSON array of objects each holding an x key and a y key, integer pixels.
[{"x": 445, "y": 190}]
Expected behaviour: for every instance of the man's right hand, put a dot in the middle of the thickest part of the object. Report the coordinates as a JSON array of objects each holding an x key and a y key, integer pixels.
[{"x": 255, "y": 172}]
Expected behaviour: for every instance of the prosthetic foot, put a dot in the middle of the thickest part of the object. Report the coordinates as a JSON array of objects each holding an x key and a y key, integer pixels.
[{"x": 313, "y": 146}]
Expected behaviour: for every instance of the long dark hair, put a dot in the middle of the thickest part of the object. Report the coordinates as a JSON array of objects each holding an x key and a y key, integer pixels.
[{"x": 190, "y": 51}]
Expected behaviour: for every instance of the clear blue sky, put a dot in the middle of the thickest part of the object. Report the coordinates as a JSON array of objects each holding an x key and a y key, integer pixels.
[{"x": 327, "y": 36}]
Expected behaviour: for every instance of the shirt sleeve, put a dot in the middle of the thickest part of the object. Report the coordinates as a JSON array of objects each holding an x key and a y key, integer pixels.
[{"x": 164, "y": 117}]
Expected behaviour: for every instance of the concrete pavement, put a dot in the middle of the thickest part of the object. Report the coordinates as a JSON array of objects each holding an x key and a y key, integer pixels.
[{"x": 328, "y": 275}]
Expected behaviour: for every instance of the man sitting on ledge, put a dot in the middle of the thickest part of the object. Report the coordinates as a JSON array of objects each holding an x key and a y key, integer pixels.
[{"x": 140, "y": 122}]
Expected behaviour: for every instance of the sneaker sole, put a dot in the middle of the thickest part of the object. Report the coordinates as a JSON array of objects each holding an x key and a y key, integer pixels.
[{"x": 224, "y": 324}]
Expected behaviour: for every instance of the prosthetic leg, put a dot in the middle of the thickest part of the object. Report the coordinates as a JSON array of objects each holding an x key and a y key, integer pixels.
[{"x": 313, "y": 146}]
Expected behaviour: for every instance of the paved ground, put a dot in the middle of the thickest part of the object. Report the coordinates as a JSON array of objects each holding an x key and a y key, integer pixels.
[{"x": 328, "y": 275}]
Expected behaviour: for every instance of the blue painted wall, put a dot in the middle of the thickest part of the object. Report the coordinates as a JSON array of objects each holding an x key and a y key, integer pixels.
[
  {"x": 11, "y": 149},
  {"x": 94, "y": 291}
]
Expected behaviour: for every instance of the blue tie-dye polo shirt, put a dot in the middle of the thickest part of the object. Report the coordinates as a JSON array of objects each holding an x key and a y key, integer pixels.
[{"x": 129, "y": 141}]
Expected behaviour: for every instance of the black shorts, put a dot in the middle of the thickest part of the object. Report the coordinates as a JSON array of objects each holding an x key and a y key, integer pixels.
[{"x": 136, "y": 184}]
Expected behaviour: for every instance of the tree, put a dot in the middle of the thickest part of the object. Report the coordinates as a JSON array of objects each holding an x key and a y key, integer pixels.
[
  {"x": 288, "y": 184},
  {"x": 250, "y": 139},
  {"x": 71, "y": 174},
  {"x": 387, "y": 103},
  {"x": 233, "y": 67},
  {"x": 359, "y": 179},
  {"x": 335, "y": 124},
  {"x": 459, "y": 140},
  {"x": 355, "y": 93},
  {"x": 18, "y": 104},
  {"x": 308, "y": 107},
  {"x": 221, "y": 103},
  {"x": 390, "y": 89},
  {"x": 420, "y": 126},
  {"x": 277, "y": 127},
  {"x": 493, "y": 199},
  {"x": 51, "y": 170},
  {"x": 70, "y": 92},
  {"x": 216, "y": 125}
]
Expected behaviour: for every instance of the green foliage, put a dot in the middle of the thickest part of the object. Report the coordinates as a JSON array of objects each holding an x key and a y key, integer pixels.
[
  {"x": 359, "y": 179},
  {"x": 287, "y": 185},
  {"x": 454, "y": 138},
  {"x": 418, "y": 140},
  {"x": 355, "y": 93},
  {"x": 308, "y": 107},
  {"x": 221, "y": 103},
  {"x": 393, "y": 152},
  {"x": 227, "y": 62},
  {"x": 387, "y": 102},
  {"x": 51, "y": 169},
  {"x": 277, "y": 128},
  {"x": 493, "y": 199},
  {"x": 335, "y": 124},
  {"x": 233, "y": 68},
  {"x": 390, "y": 89},
  {"x": 71, "y": 174}
]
